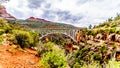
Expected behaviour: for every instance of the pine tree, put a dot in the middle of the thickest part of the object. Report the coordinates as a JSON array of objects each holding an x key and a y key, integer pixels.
[{"x": 90, "y": 26}]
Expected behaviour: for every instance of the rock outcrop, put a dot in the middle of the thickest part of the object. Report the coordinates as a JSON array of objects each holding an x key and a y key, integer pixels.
[
  {"x": 37, "y": 19},
  {"x": 4, "y": 14}
]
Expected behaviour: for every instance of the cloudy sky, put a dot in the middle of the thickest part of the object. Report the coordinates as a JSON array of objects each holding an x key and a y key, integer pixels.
[{"x": 80, "y": 13}]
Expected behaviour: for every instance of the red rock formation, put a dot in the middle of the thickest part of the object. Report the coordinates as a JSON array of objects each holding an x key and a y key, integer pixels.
[
  {"x": 79, "y": 36},
  {"x": 37, "y": 19},
  {"x": 3, "y": 10},
  {"x": 68, "y": 47},
  {"x": 42, "y": 20},
  {"x": 31, "y": 19},
  {"x": 4, "y": 14}
]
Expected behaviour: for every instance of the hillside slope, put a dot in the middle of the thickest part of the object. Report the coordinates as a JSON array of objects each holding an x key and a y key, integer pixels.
[{"x": 12, "y": 57}]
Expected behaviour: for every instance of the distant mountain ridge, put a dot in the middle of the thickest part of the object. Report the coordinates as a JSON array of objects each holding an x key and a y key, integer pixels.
[
  {"x": 37, "y": 19},
  {"x": 33, "y": 22}
]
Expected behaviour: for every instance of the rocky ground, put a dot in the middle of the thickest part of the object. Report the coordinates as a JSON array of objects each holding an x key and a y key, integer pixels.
[{"x": 14, "y": 57}]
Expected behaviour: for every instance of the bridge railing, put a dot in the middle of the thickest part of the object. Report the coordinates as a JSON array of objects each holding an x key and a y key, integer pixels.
[{"x": 67, "y": 31}]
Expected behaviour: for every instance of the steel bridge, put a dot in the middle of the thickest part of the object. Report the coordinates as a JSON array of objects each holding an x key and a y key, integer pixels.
[{"x": 70, "y": 32}]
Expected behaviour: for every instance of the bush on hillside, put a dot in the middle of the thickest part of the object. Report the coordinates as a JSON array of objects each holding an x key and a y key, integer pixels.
[
  {"x": 49, "y": 46},
  {"x": 112, "y": 30},
  {"x": 113, "y": 25},
  {"x": 7, "y": 29},
  {"x": 91, "y": 32},
  {"x": 100, "y": 31},
  {"x": 104, "y": 49},
  {"x": 35, "y": 37},
  {"x": 25, "y": 39},
  {"x": 97, "y": 57},
  {"x": 2, "y": 31},
  {"x": 1, "y": 38},
  {"x": 2, "y": 20},
  {"x": 117, "y": 17},
  {"x": 52, "y": 57}
]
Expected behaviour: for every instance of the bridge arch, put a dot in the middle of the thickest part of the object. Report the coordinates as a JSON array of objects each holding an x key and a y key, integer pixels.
[{"x": 59, "y": 36}]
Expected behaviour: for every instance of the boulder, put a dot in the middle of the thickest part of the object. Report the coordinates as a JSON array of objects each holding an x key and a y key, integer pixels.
[
  {"x": 90, "y": 37},
  {"x": 112, "y": 37},
  {"x": 99, "y": 36},
  {"x": 117, "y": 37}
]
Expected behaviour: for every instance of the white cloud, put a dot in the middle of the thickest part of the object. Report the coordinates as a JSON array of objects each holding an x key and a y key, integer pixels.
[{"x": 91, "y": 11}]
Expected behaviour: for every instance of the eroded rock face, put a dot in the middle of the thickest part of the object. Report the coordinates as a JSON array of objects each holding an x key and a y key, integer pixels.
[
  {"x": 99, "y": 36},
  {"x": 114, "y": 37},
  {"x": 79, "y": 36},
  {"x": 118, "y": 40},
  {"x": 105, "y": 36},
  {"x": 111, "y": 37},
  {"x": 90, "y": 37},
  {"x": 4, "y": 14},
  {"x": 37, "y": 19},
  {"x": 117, "y": 37}
]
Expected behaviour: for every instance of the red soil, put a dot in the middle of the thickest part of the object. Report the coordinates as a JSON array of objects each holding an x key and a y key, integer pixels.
[{"x": 16, "y": 58}]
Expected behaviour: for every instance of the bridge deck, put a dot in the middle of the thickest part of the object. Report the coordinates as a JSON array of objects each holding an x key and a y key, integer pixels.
[{"x": 70, "y": 32}]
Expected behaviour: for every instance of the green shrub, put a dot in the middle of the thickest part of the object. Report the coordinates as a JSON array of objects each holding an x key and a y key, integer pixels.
[
  {"x": 2, "y": 31},
  {"x": 114, "y": 47},
  {"x": 97, "y": 57},
  {"x": 103, "y": 24},
  {"x": 7, "y": 29},
  {"x": 100, "y": 31},
  {"x": 90, "y": 32},
  {"x": 35, "y": 38},
  {"x": 25, "y": 39},
  {"x": 1, "y": 38},
  {"x": 117, "y": 17},
  {"x": 112, "y": 30},
  {"x": 104, "y": 49},
  {"x": 92, "y": 65},
  {"x": 52, "y": 57},
  {"x": 113, "y": 25},
  {"x": 76, "y": 65},
  {"x": 113, "y": 64},
  {"x": 49, "y": 46}
]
